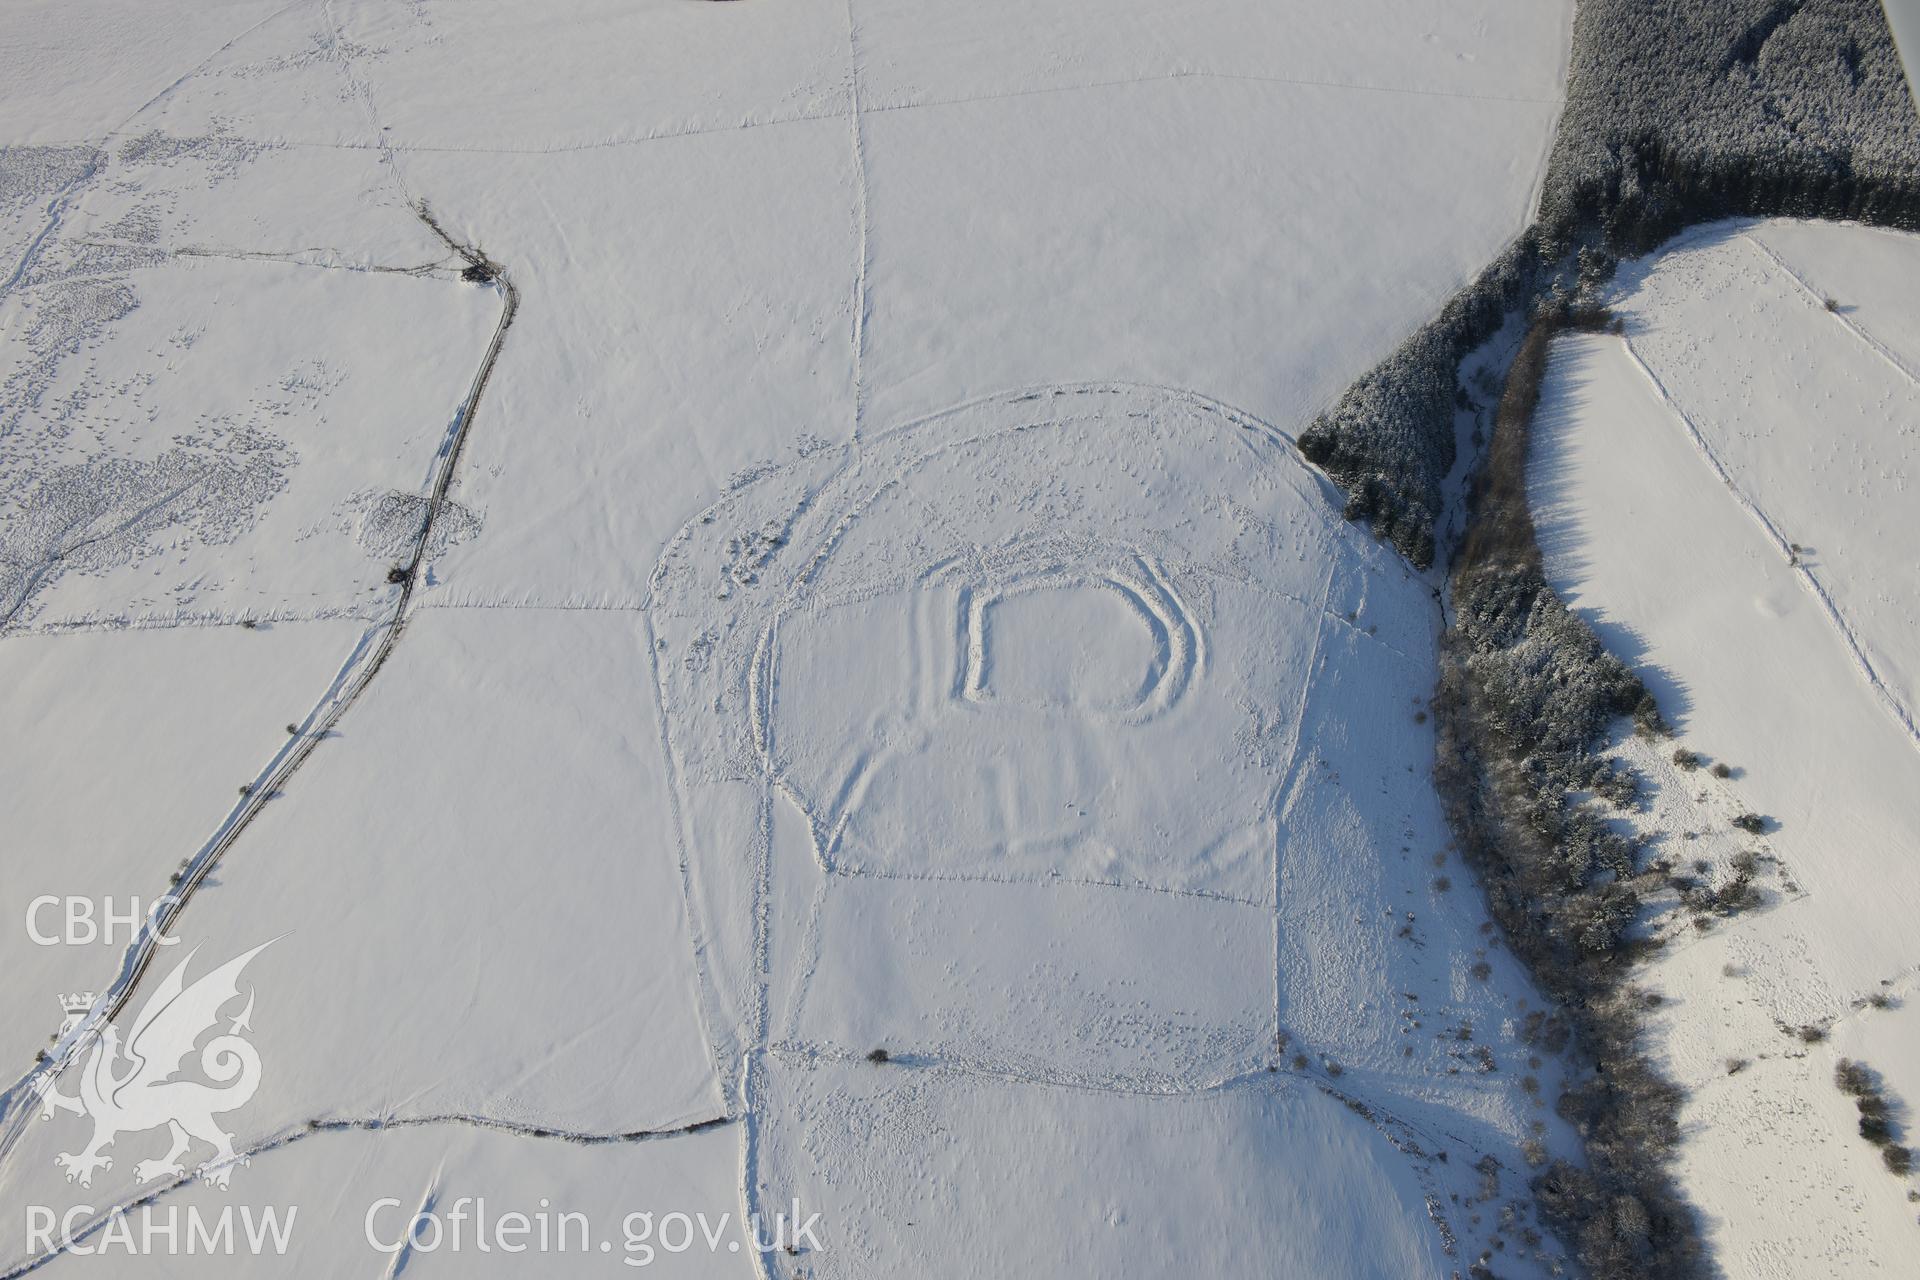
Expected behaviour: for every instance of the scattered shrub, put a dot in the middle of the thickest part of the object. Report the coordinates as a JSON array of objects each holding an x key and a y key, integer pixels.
[
  {"x": 1876, "y": 1122},
  {"x": 1723, "y": 770},
  {"x": 1850, "y": 1077},
  {"x": 1751, "y": 823},
  {"x": 879, "y": 1056},
  {"x": 1688, "y": 760}
]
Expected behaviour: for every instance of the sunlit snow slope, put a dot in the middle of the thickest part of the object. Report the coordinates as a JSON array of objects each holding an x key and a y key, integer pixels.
[{"x": 1726, "y": 492}]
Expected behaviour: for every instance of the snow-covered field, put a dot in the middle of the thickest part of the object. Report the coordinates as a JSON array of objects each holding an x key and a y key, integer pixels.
[
  {"x": 877, "y": 611},
  {"x": 1726, "y": 493},
  {"x": 156, "y": 729}
]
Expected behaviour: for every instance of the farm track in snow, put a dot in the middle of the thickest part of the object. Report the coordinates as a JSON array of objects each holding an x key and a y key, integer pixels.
[
  {"x": 20, "y": 1101},
  {"x": 1823, "y": 599}
]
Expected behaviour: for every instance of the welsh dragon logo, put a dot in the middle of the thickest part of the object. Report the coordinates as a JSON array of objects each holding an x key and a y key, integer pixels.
[{"x": 135, "y": 1086}]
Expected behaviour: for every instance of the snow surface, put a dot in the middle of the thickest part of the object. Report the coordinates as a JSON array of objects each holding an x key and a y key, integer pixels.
[
  {"x": 1078, "y": 216},
  {"x": 119, "y": 749},
  {"x": 336, "y": 1177},
  {"x": 929, "y": 1169},
  {"x": 879, "y": 609},
  {"x": 1673, "y": 469},
  {"x": 467, "y": 895}
]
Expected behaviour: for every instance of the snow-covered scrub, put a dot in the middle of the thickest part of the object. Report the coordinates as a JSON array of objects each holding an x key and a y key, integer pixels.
[
  {"x": 159, "y": 456},
  {"x": 1721, "y": 491}
]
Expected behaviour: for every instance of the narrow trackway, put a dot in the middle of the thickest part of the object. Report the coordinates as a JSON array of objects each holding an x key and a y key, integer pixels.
[
  {"x": 21, "y": 1099},
  {"x": 101, "y": 1216},
  {"x": 1823, "y": 599}
]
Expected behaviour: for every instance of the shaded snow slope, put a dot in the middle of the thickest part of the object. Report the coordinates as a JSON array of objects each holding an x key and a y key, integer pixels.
[{"x": 1672, "y": 470}]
